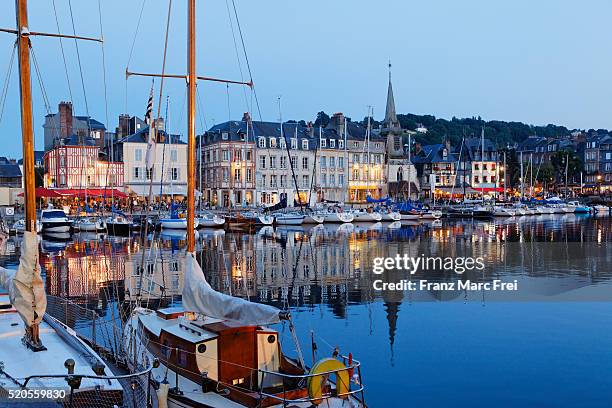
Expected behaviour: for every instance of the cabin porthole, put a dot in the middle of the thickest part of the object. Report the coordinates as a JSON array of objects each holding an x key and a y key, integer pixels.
[
  {"x": 201, "y": 348},
  {"x": 271, "y": 339}
]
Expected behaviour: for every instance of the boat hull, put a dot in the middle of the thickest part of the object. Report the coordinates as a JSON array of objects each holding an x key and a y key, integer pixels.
[
  {"x": 56, "y": 226},
  {"x": 391, "y": 216},
  {"x": 339, "y": 218},
  {"x": 314, "y": 219},
  {"x": 289, "y": 219},
  {"x": 366, "y": 217}
]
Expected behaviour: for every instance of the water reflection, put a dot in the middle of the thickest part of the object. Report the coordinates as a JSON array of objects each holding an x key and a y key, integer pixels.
[{"x": 324, "y": 272}]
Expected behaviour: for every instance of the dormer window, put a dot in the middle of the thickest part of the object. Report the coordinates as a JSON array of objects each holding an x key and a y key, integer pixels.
[
  {"x": 304, "y": 144},
  {"x": 273, "y": 142},
  {"x": 282, "y": 143},
  {"x": 332, "y": 143},
  {"x": 324, "y": 143},
  {"x": 224, "y": 135},
  {"x": 341, "y": 144},
  {"x": 294, "y": 144},
  {"x": 444, "y": 153},
  {"x": 261, "y": 142}
]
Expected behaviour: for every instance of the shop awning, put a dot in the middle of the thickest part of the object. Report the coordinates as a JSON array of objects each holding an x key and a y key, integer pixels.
[
  {"x": 92, "y": 192},
  {"x": 45, "y": 192}
]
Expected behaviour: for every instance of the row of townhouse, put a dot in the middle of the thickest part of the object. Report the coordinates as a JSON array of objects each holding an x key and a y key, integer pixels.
[{"x": 252, "y": 162}]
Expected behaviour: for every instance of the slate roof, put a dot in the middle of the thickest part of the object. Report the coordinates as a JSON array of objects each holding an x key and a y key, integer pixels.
[
  {"x": 75, "y": 140},
  {"x": 433, "y": 154},
  {"x": 10, "y": 170},
  {"x": 143, "y": 134},
  {"x": 39, "y": 156},
  {"x": 235, "y": 130}
]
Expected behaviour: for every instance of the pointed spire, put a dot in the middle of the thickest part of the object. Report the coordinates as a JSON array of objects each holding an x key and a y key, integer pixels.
[{"x": 391, "y": 121}]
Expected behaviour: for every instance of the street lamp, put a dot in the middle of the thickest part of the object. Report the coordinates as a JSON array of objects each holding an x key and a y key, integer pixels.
[{"x": 599, "y": 179}]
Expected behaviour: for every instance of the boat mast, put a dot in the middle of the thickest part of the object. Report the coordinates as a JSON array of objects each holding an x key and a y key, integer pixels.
[
  {"x": 27, "y": 132},
  {"x": 32, "y": 333},
  {"x": 191, "y": 106}
]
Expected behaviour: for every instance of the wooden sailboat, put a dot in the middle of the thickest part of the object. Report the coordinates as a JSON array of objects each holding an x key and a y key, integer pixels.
[
  {"x": 37, "y": 352},
  {"x": 216, "y": 350}
]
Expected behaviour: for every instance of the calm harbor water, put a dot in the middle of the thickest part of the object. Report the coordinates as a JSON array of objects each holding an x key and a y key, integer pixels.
[{"x": 547, "y": 345}]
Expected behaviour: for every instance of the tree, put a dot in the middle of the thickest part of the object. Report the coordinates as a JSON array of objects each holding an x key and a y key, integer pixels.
[{"x": 322, "y": 119}]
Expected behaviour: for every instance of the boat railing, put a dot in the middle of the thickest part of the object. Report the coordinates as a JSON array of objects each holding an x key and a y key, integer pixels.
[
  {"x": 93, "y": 391},
  {"x": 354, "y": 388}
]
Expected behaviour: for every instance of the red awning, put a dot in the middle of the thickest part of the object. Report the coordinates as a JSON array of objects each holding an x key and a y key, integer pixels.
[
  {"x": 93, "y": 192},
  {"x": 490, "y": 189},
  {"x": 45, "y": 192}
]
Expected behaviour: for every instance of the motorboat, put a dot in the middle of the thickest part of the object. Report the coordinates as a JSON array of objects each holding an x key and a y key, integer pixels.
[
  {"x": 410, "y": 217},
  {"x": 257, "y": 218},
  {"x": 54, "y": 220},
  {"x": 579, "y": 208},
  {"x": 219, "y": 351},
  {"x": 90, "y": 224},
  {"x": 366, "y": 216},
  {"x": 483, "y": 211},
  {"x": 210, "y": 220},
  {"x": 289, "y": 218},
  {"x": 601, "y": 209}
]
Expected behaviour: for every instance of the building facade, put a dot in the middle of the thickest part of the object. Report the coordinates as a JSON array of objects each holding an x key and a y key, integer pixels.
[
  {"x": 74, "y": 163},
  {"x": 63, "y": 124},
  {"x": 226, "y": 161},
  {"x": 169, "y": 173}
]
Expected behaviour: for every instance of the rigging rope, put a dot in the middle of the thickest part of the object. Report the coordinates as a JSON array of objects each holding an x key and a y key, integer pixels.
[
  {"x": 132, "y": 50},
  {"x": 246, "y": 58},
  {"x": 229, "y": 14},
  {"x": 7, "y": 81},
  {"x": 63, "y": 53}
]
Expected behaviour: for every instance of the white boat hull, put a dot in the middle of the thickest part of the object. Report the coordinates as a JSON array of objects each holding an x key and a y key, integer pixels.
[
  {"x": 391, "y": 216},
  {"x": 410, "y": 217},
  {"x": 289, "y": 219},
  {"x": 339, "y": 217},
  {"x": 431, "y": 215},
  {"x": 314, "y": 219},
  {"x": 363, "y": 216},
  {"x": 211, "y": 222},
  {"x": 180, "y": 223}
]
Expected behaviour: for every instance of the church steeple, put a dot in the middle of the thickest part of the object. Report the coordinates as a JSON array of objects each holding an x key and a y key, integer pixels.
[{"x": 391, "y": 122}]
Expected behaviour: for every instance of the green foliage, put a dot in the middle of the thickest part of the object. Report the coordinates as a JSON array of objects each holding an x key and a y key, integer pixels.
[
  {"x": 500, "y": 132},
  {"x": 322, "y": 119},
  {"x": 574, "y": 163},
  {"x": 546, "y": 173}
]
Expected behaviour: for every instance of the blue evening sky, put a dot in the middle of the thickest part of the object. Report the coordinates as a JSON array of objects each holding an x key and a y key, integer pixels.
[{"x": 546, "y": 61}]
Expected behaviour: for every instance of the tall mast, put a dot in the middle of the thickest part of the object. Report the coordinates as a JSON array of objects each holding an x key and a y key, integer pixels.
[
  {"x": 191, "y": 106},
  {"x": 482, "y": 162},
  {"x": 25, "y": 88}
]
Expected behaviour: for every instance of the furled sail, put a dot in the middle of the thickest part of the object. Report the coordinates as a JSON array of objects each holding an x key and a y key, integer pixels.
[
  {"x": 199, "y": 296},
  {"x": 25, "y": 285}
]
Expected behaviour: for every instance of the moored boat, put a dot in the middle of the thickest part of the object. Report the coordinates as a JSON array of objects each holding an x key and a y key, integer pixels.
[
  {"x": 579, "y": 208},
  {"x": 210, "y": 220},
  {"x": 366, "y": 216},
  {"x": 54, "y": 220},
  {"x": 483, "y": 211},
  {"x": 90, "y": 224},
  {"x": 289, "y": 218}
]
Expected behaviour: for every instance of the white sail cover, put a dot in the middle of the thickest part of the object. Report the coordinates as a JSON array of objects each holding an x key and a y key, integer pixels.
[
  {"x": 199, "y": 296},
  {"x": 25, "y": 285}
]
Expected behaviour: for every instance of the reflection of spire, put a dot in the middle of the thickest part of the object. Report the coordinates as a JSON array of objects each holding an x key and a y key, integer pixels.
[{"x": 392, "y": 309}]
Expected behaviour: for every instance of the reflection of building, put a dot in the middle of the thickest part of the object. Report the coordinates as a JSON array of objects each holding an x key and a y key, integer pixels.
[
  {"x": 86, "y": 271},
  {"x": 161, "y": 275}
]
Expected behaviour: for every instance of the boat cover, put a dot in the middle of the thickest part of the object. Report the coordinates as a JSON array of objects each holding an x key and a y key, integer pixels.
[
  {"x": 199, "y": 296},
  {"x": 25, "y": 285}
]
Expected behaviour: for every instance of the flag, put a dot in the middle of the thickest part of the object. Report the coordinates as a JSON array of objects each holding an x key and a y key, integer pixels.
[{"x": 151, "y": 142}]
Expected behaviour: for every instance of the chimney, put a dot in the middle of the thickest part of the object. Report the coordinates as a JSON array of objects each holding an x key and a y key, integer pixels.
[
  {"x": 310, "y": 129},
  {"x": 124, "y": 125},
  {"x": 246, "y": 117},
  {"x": 337, "y": 122},
  {"x": 65, "y": 118},
  {"x": 447, "y": 144}
]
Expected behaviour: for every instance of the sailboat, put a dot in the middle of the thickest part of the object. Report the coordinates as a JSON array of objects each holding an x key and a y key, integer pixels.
[
  {"x": 217, "y": 350},
  {"x": 38, "y": 352}
]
